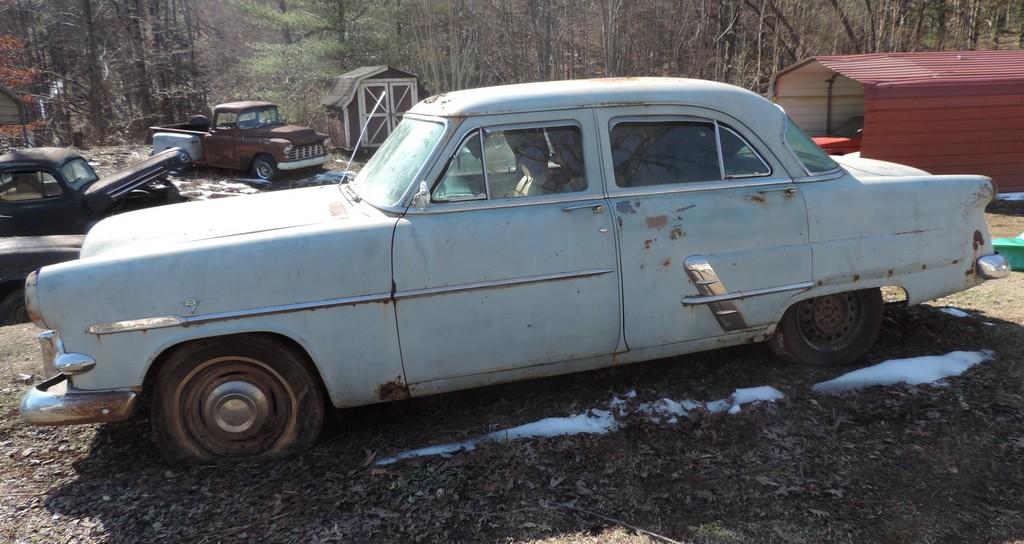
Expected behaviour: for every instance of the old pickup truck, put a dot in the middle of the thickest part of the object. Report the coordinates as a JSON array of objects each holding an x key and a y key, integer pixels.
[
  {"x": 498, "y": 234},
  {"x": 247, "y": 136}
]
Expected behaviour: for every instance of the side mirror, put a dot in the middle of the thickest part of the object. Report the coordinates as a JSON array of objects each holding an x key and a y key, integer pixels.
[{"x": 422, "y": 197}]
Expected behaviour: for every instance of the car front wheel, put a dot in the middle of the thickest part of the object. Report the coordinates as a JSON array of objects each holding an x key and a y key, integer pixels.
[
  {"x": 264, "y": 168},
  {"x": 235, "y": 399},
  {"x": 12, "y": 308},
  {"x": 830, "y": 330}
]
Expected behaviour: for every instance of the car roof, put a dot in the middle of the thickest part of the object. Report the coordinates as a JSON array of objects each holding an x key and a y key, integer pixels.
[
  {"x": 244, "y": 105},
  {"x": 588, "y": 93},
  {"x": 40, "y": 155}
]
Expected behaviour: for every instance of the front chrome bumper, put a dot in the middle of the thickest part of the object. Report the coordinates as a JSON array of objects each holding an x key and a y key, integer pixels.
[
  {"x": 993, "y": 267},
  {"x": 306, "y": 163},
  {"x": 54, "y": 403}
]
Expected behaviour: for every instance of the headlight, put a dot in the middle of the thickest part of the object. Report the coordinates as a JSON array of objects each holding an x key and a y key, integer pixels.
[
  {"x": 288, "y": 149},
  {"x": 32, "y": 300}
]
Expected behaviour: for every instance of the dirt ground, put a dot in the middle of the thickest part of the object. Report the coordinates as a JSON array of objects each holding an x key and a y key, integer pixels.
[{"x": 886, "y": 464}]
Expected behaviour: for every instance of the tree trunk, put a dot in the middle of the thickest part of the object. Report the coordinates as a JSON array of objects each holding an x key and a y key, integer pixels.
[{"x": 97, "y": 115}]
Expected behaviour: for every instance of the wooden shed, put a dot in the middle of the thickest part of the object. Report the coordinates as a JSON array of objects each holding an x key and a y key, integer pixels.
[
  {"x": 959, "y": 112},
  {"x": 353, "y": 96},
  {"x": 12, "y": 109}
]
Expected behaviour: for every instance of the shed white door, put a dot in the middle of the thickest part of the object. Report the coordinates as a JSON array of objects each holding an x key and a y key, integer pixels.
[{"x": 400, "y": 96}]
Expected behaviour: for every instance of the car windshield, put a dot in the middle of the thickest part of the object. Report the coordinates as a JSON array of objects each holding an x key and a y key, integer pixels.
[
  {"x": 387, "y": 175},
  {"x": 78, "y": 173},
  {"x": 259, "y": 118}
]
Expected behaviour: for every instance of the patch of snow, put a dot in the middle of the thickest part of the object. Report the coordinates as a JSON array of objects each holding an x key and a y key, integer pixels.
[
  {"x": 592, "y": 422},
  {"x": 916, "y": 370},
  {"x": 989, "y": 324},
  {"x": 955, "y": 312},
  {"x": 1010, "y": 196},
  {"x": 753, "y": 395}
]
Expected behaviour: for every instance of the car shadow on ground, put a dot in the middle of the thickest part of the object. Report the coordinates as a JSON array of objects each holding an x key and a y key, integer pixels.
[{"x": 889, "y": 463}]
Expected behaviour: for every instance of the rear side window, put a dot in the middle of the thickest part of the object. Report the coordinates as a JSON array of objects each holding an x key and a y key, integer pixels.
[
  {"x": 807, "y": 152},
  {"x": 226, "y": 120},
  {"x": 658, "y": 153},
  {"x": 17, "y": 186}
]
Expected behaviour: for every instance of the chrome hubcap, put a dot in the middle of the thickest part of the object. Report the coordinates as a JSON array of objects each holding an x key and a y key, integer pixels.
[
  {"x": 236, "y": 406},
  {"x": 263, "y": 170}
]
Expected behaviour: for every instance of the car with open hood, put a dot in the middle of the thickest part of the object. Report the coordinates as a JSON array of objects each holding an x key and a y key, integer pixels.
[
  {"x": 499, "y": 234},
  {"x": 49, "y": 190}
]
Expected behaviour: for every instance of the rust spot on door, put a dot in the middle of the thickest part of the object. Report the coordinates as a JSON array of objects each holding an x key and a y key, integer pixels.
[
  {"x": 668, "y": 262},
  {"x": 979, "y": 240},
  {"x": 393, "y": 390},
  {"x": 647, "y": 244},
  {"x": 676, "y": 233},
  {"x": 657, "y": 221}
]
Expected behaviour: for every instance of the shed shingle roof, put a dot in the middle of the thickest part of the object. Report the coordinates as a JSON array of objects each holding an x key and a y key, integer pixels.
[{"x": 345, "y": 85}]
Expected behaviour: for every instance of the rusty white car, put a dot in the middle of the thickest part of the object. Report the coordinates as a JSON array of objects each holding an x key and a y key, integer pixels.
[{"x": 499, "y": 234}]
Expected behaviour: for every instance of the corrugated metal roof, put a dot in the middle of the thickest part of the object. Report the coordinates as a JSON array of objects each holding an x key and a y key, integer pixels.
[{"x": 885, "y": 69}]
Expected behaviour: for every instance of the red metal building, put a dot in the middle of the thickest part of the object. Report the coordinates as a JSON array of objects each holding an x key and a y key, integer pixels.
[{"x": 944, "y": 112}]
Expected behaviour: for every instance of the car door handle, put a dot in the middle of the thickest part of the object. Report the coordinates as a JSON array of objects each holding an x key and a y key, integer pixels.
[
  {"x": 597, "y": 208},
  {"x": 759, "y": 196}
]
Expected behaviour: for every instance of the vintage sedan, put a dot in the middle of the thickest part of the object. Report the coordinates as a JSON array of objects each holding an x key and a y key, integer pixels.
[{"x": 499, "y": 234}]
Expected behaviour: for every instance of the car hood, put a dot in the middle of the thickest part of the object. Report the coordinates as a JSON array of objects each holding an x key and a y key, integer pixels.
[
  {"x": 153, "y": 228},
  {"x": 105, "y": 191},
  {"x": 296, "y": 134}
]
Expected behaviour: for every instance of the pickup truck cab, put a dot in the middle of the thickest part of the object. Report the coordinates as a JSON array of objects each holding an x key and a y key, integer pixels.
[
  {"x": 247, "y": 136},
  {"x": 498, "y": 234}
]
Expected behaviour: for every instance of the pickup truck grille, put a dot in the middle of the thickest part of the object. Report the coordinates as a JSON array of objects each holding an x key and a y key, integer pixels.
[{"x": 303, "y": 152}]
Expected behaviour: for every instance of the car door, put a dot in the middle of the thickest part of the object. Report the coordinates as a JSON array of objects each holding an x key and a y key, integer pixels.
[
  {"x": 33, "y": 202},
  {"x": 712, "y": 232},
  {"x": 512, "y": 265},
  {"x": 220, "y": 146}
]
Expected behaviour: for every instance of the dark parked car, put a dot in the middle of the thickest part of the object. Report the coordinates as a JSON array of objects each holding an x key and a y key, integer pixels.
[
  {"x": 55, "y": 191},
  {"x": 19, "y": 256}
]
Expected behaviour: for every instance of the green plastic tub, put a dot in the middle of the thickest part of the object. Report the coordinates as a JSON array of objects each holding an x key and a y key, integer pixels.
[{"x": 1013, "y": 250}]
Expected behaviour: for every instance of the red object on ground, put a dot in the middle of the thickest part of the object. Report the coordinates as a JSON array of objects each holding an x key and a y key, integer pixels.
[{"x": 835, "y": 145}]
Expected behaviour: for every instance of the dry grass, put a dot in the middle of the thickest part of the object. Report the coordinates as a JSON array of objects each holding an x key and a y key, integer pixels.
[{"x": 911, "y": 464}]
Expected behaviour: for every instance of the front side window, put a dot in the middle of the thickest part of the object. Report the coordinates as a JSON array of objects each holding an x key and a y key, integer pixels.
[
  {"x": 18, "y": 186},
  {"x": 814, "y": 159},
  {"x": 78, "y": 173},
  {"x": 515, "y": 163},
  {"x": 226, "y": 120},
  {"x": 656, "y": 153}
]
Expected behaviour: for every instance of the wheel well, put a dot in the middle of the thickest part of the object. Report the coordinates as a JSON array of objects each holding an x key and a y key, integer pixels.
[
  {"x": 284, "y": 341},
  {"x": 258, "y": 155},
  {"x": 9, "y": 287}
]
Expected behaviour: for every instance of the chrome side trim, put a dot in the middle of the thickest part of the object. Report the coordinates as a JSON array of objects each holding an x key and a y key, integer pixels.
[
  {"x": 736, "y": 295},
  {"x": 704, "y": 277},
  {"x": 692, "y": 187},
  {"x": 501, "y": 283},
  {"x": 160, "y": 322},
  {"x": 174, "y": 321}
]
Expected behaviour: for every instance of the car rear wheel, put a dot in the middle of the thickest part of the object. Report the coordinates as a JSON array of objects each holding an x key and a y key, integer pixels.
[
  {"x": 264, "y": 167},
  {"x": 235, "y": 399},
  {"x": 830, "y": 330},
  {"x": 12, "y": 308}
]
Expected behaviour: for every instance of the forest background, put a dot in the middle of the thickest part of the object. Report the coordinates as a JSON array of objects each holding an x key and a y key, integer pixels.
[{"x": 102, "y": 71}]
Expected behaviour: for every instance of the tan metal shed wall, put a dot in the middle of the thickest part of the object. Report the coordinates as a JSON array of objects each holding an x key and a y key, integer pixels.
[{"x": 803, "y": 93}]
